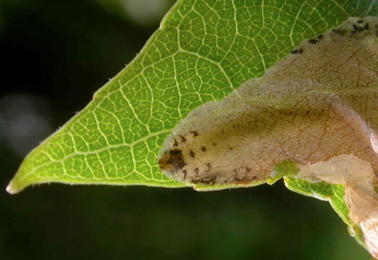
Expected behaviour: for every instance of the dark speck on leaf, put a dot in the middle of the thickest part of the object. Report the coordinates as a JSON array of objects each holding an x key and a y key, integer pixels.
[
  {"x": 313, "y": 41},
  {"x": 175, "y": 152},
  {"x": 208, "y": 168},
  {"x": 339, "y": 32},
  {"x": 172, "y": 161},
  {"x": 357, "y": 28},
  {"x": 185, "y": 172},
  {"x": 192, "y": 154}
]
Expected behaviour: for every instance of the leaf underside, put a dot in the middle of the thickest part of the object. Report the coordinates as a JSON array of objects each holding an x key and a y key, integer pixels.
[{"x": 202, "y": 51}]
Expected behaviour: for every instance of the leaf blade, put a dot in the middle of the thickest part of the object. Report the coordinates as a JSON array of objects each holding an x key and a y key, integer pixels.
[{"x": 203, "y": 50}]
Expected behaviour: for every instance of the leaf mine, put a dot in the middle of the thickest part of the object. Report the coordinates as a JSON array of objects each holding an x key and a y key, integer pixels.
[{"x": 317, "y": 108}]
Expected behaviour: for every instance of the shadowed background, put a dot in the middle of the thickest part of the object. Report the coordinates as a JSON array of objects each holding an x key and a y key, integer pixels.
[{"x": 55, "y": 55}]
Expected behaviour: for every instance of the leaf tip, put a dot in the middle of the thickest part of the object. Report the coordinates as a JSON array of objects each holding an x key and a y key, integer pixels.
[
  {"x": 11, "y": 189},
  {"x": 15, "y": 186}
]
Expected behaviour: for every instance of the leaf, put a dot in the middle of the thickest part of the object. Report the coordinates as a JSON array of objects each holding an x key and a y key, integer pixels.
[
  {"x": 315, "y": 104},
  {"x": 202, "y": 51},
  {"x": 315, "y": 108},
  {"x": 329, "y": 192}
]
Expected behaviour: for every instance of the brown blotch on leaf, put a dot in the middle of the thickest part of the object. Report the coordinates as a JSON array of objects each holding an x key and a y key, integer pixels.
[
  {"x": 183, "y": 139},
  {"x": 175, "y": 143},
  {"x": 172, "y": 161},
  {"x": 203, "y": 149},
  {"x": 192, "y": 154}
]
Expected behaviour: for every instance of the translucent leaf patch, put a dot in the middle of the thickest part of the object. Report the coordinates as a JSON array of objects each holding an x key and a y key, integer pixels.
[{"x": 317, "y": 108}]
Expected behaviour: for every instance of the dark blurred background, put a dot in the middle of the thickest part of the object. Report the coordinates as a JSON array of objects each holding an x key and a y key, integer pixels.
[{"x": 54, "y": 55}]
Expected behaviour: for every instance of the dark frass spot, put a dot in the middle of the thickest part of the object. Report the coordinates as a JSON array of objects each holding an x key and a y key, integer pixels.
[
  {"x": 207, "y": 181},
  {"x": 297, "y": 51},
  {"x": 185, "y": 172},
  {"x": 183, "y": 139},
  {"x": 208, "y": 167},
  {"x": 192, "y": 154},
  {"x": 339, "y": 32},
  {"x": 313, "y": 41},
  {"x": 203, "y": 149},
  {"x": 357, "y": 28},
  {"x": 172, "y": 161}
]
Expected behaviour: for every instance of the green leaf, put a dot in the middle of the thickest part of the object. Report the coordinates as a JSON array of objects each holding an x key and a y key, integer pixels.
[
  {"x": 323, "y": 191},
  {"x": 201, "y": 52},
  {"x": 332, "y": 193}
]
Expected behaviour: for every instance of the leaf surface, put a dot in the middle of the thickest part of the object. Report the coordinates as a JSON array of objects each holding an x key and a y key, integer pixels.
[{"x": 201, "y": 52}]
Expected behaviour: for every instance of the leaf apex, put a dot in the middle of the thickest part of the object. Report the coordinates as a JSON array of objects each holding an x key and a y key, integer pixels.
[
  {"x": 11, "y": 189},
  {"x": 17, "y": 184}
]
